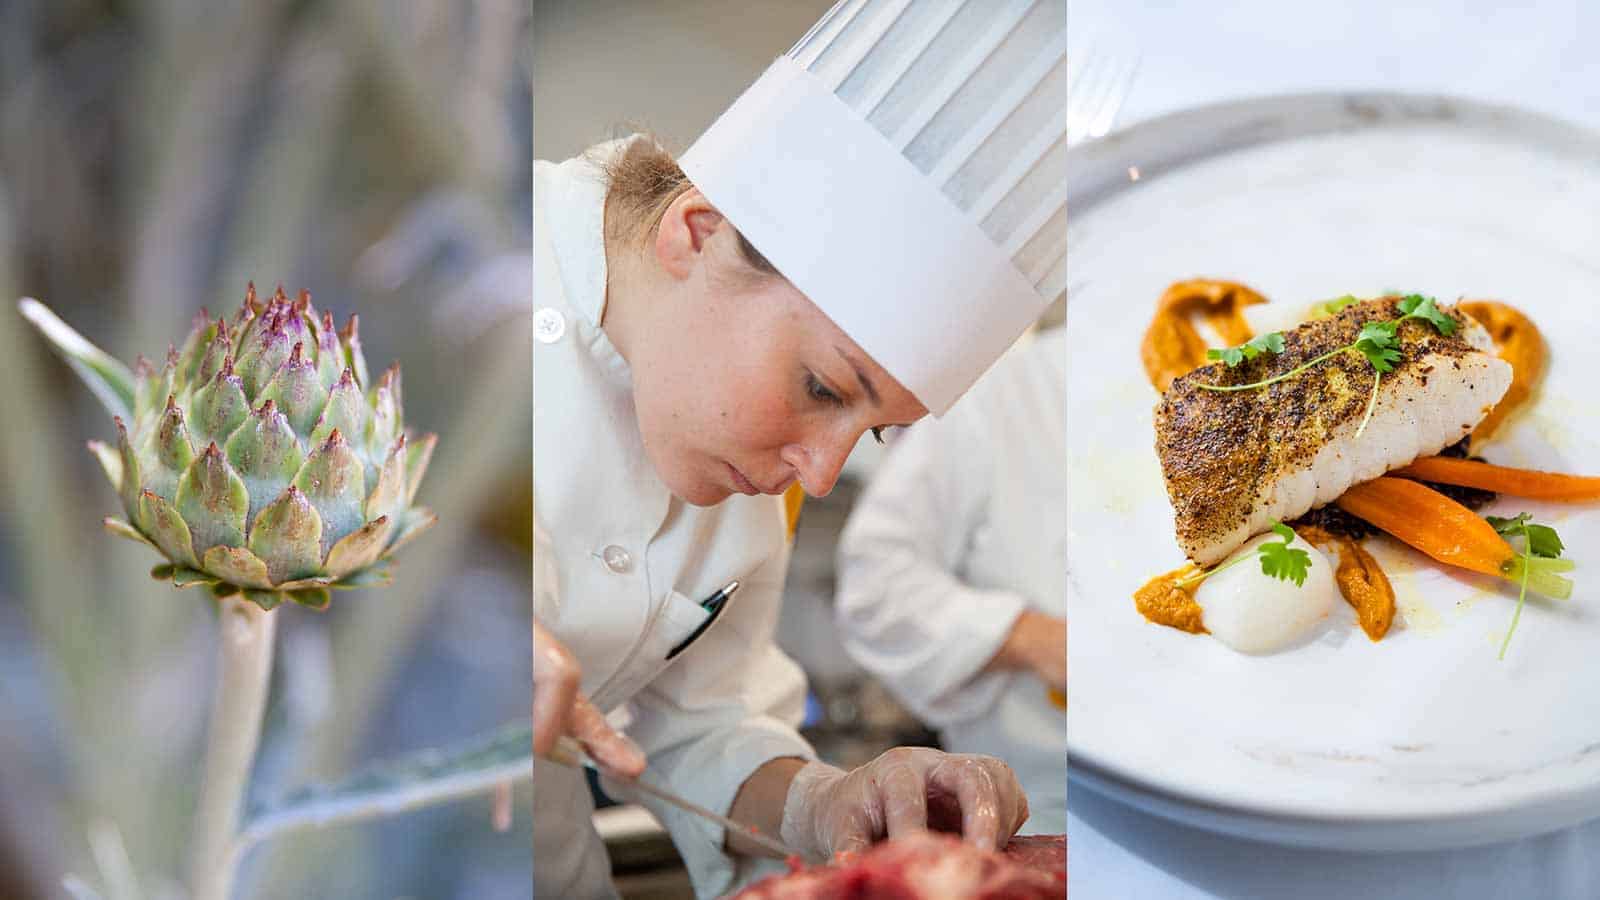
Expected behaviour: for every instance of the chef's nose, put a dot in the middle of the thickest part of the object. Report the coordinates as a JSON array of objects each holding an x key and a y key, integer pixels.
[{"x": 819, "y": 462}]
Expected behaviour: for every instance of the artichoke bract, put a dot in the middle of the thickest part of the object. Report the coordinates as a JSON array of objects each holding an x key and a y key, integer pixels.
[{"x": 258, "y": 458}]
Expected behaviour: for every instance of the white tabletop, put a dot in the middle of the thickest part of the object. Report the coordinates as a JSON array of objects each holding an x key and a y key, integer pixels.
[{"x": 1540, "y": 56}]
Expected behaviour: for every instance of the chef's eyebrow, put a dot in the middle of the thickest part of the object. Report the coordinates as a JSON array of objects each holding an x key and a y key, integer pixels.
[{"x": 861, "y": 375}]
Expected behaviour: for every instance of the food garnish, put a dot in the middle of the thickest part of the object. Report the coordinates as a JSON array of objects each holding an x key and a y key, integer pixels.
[
  {"x": 1278, "y": 560},
  {"x": 1271, "y": 342},
  {"x": 1378, "y": 342},
  {"x": 1537, "y": 541}
]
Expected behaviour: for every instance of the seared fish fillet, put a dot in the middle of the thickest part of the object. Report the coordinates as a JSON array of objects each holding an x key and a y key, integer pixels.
[{"x": 1236, "y": 461}]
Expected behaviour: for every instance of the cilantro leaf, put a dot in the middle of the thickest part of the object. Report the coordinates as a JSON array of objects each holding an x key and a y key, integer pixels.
[
  {"x": 1382, "y": 356},
  {"x": 1542, "y": 540},
  {"x": 1271, "y": 342},
  {"x": 1231, "y": 355},
  {"x": 1283, "y": 561},
  {"x": 1377, "y": 343},
  {"x": 1416, "y": 306},
  {"x": 1508, "y": 524},
  {"x": 1381, "y": 334}
]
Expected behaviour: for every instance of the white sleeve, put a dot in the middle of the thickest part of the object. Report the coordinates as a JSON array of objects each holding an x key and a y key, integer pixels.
[
  {"x": 731, "y": 703},
  {"x": 903, "y": 610}
]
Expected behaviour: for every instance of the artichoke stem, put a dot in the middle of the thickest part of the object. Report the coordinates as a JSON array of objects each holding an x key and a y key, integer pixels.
[{"x": 245, "y": 642}]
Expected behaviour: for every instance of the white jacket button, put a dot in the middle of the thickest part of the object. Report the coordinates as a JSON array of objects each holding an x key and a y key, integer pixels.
[
  {"x": 549, "y": 325},
  {"x": 617, "y": 559}
]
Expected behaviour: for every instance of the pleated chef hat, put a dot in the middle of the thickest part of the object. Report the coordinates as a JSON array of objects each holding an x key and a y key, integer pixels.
[{"x": 904, "y": 167}]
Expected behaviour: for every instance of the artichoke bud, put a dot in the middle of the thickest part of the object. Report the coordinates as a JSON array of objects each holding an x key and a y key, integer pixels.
[
  {"x": 391, "y": 379},
  {"x": 213, "y": 500},
  {"x": 194, "y": 347},
  {"x": 220, "y": 405},
  {"x": 351, "y": 338},
  {"x": 330, "y": 359},
  {"x": 219, "y": 349},
  {"x": 388, "y": 496},
  {"x": 146, "y": 383},
  {"x": 168, "y": 454},
  {"x": 129, "y": 492},
  {"x": 360, "y": 549},
  {"x": 332, "y": 478},
  {"x": 150, "y": 397},
  {"x": 292, "y": 319},
  {"x": 287, "y": 536},
  {"x": 346, "y": 409},
  {"x": 165, "y": 526},
  {"x": 259, "y": 457},
  {"x": 304, "y": 307},
  {"x": 418, "y": 454},
  {"x": 384, "y": 425},
  {"x": 297, "y": 392},
  {"x": 266, "y": 454},
  {"x": 244, "y": 319},
  {"x": 265, "y": 353}
]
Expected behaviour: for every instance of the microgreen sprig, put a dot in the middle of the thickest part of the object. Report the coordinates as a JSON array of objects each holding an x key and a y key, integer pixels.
[
  {"x": 1537, "y": 540},
  {"x": 1271, "y": 342},
  {"x": 1278, "y": 560},
  {"x": 1378, "y": 342}
]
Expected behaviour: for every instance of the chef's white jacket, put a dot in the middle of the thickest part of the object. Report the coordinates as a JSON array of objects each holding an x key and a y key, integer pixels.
[
  {"x": 962, "y": 528},
  {"x": 621, "y": 567}
]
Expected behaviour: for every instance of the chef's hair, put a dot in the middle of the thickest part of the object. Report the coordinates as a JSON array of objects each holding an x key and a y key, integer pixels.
[{"x": 642, "y": 182}]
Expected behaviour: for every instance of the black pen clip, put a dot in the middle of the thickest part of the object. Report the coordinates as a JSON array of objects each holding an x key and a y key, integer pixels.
[{"x": 713, "y": 604}]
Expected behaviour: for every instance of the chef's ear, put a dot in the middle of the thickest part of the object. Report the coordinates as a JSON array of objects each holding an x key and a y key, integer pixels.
[{"x": 685, "y": 230}]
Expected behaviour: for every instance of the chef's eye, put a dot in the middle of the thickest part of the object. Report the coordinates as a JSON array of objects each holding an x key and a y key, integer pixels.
[
  {"x": 820, "y": 392},
  {"x": 877, "y": 433}
]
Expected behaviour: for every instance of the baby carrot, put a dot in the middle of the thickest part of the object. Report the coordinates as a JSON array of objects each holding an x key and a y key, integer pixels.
[
  {"x": 1450, "y": 533},
  {"x": 1529, "y": 483}
]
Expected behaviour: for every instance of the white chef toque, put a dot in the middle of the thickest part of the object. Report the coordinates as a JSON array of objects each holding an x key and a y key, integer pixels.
[{"x": 904, "y": 166}]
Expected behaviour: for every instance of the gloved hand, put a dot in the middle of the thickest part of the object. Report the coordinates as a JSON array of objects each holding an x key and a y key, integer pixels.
[
  {"x": 558, "y": 709},
  {"x": 829, "y": 811}
]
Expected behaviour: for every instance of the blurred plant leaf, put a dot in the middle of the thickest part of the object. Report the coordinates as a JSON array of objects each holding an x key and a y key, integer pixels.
[{"x": 428, "y": 777}]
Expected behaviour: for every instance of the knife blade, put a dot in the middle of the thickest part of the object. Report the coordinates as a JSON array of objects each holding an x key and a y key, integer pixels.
[{"x": 569, "y": 752}]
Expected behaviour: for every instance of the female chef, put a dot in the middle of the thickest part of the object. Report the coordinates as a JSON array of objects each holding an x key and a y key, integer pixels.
[
  {"x": 953, "y": 579},
  {"x": 851, "y": 244}
]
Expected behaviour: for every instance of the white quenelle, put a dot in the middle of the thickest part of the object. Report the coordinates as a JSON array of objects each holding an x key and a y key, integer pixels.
[{"x": 1253, "y": 612}]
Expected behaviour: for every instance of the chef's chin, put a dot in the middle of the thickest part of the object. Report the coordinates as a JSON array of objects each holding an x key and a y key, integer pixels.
[{"x": 697, "y": 491}]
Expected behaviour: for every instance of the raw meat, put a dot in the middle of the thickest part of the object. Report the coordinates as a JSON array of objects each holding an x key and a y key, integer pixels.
[{"x": 929, "y": 867}]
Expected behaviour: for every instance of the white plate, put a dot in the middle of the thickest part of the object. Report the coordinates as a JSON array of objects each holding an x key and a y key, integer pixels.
[{"x": 1424, "y": 740}]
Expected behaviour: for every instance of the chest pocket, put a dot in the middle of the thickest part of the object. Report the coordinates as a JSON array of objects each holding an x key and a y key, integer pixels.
[{"x": 679, "y": 618}]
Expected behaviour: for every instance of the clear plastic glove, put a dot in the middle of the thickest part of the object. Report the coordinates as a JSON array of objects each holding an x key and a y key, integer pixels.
[
  {"x": 559, "y": 709},
  {"x": 829, "y": 811}
]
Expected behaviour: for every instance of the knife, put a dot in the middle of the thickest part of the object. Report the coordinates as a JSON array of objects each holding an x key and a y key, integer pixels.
[{"x": 569, "y": 752}]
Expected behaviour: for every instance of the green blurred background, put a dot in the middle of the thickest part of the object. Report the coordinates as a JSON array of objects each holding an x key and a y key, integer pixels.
[{"x": 154, "y": 156}]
